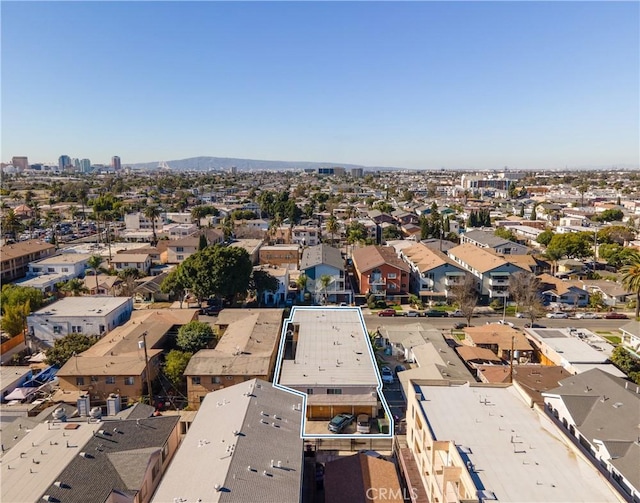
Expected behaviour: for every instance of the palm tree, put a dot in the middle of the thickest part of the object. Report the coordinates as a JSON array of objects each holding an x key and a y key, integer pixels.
[
  {"x": 554, "y": 254},
  {"x": 152, "y": 212},
  {"x": 302, "y": 284},
  {"x": 74, "y": 211},
  {"x": 631, "y": 277},
  {"x": 332, "y": 226},
  {"x": 75, "y": 287},
  {"x": 325, "y": 279},
  {"x": 11, "y": 223},
  {"x": 94, "y": 263}
]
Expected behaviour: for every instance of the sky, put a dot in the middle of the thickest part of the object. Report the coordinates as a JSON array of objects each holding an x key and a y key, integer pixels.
[{"x": 419, "y": 85}]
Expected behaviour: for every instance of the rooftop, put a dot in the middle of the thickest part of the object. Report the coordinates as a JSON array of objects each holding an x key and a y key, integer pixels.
[
  {"x": 333, "y": 348},
  {"x": 21, "y": 248},
  {"x": 64, "y": 258},
  {"x": 480, "y": 259},
  {"x": 516, "y": 453},
  {"x": 321, "y": 254},
  {"x": 370, "y": 257},
  {"x": 83, "y": 306},
  {"x": 575, "y": 346},
  {"x": 254, "y": 452}
]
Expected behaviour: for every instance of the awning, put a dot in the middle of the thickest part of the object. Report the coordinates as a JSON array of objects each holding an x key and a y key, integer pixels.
[{"x": 20, "y": 393}]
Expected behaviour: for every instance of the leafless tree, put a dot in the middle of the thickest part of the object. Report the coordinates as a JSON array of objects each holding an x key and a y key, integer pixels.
[
  {"x": 525, "y": 289},
  {"x": 466, "y": 296}
]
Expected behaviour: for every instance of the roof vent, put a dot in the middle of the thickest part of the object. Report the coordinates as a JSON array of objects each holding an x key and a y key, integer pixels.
[{"x": 217, "y": 487}]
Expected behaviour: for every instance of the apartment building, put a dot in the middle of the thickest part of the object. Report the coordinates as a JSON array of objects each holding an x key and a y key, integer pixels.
[
  {"x": 280, "y": 255},
  {"x": 379, "y": 271},
  {"x": 488, "y": 239},
  {"x": 320, "y": 261},
  {"x": 16, "y": 257}
]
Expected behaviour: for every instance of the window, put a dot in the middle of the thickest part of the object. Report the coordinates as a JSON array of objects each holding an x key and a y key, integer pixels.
[
  {"x": 215, "y": 380},
  {"x": 50, "y": 269},
  {"x": 76, "y": 329},
  {"x": 94, "y": 379},
  {"x": 57, "y": 329},
  {"x": 129, "y": 381},
  {"x": 309, "y": 391},
  {"x": 334, "y": 391},
  {"x": 65, "y": 269},
  {"x": 195, "y": 380},
  {"x": 229, "y": 378},
  {"x": 392, "y": 275},
  {"x": 110, "y": 380},
  {"x": 180, "y": 248},
  {"x": 79, "y": 381},
  {"x": 180, "y": 257},
  {"x": 101, "y": 328}
]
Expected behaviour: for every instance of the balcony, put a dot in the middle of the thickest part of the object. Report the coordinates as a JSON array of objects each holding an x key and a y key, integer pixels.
[
  {"x": 498, "y": 292},
  {"x": 499, "y": 281},
  {"x": 453, "y": 280},
  {"x": 426, "y": 283}
]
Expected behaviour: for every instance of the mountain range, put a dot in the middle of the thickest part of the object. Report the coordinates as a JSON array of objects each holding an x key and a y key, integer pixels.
[{"x": 205, "y": 163}]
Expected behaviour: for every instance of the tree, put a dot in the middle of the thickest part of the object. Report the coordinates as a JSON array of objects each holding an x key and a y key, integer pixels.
[
  {"x": 175, "y": 364},
  {"x": 356, "y": 233},
  {"x": 572, "y": 245},
  {"x": 391, "y": 232},
  {"x": 302, "y": 285},
  {"x": 534, "y": 215},
  {"x": 631, "y": 278},
  {"x": 74, "y": 286},
  {"x": 619, "y": 234},
  {"x": 261, "y": 282},
  {"x": 194, "y": 336},
  {"x": 466, "y": 296},
  {"x": 11, "y": 224},
  {"x": 325, "y": 279},
  {"x": 611, "y": 215},
  {"x": 626, "y": 362},
  {"x": 504, "y": 233},
  {"x": 554, "y": 254},
  {"x": 202, "y": 243},
  {"x": 332, "y": 226},
  {"x": 615, "y": 254},
  {"x": 545, "y": 237},
  {"x": 596, "y": 300},
  {"x": 68, "y": 346},
  {"x": 14, "y": 295},
  {"x": 94, "y": 263},
  {"x": 174, "y": 284},
  {"x": 525, "y": 289},
  {"x": 152, "y": 213},
  {"x": 129, "y": 276},
  {"x": 14, "y": 318}
]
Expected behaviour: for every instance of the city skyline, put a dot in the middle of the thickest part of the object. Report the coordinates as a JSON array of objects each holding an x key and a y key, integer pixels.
[{"x": 410, "y": 85}]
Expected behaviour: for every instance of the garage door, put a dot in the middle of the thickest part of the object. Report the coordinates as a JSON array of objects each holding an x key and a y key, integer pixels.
[
  {"x": 362, "y": 409},
  {"x": 341, "y": 409},
  {"x": 316, "y": 412}
]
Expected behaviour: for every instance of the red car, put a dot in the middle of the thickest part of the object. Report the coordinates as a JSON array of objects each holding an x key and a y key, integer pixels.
[
  {"x": 616, "y": 316},
  {"x": 387, "y": 312}
]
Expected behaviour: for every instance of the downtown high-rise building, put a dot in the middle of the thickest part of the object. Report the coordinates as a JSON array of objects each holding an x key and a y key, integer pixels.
[
  {"x": 64, "y": 161},
  {"x": 115, "y": 163},
  {"x": 85, "y": 165},
  {"x": 20, "y": 162}
]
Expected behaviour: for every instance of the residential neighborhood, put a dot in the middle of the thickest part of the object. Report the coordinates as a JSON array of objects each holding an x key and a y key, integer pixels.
[{"x": 333, "y": 307}]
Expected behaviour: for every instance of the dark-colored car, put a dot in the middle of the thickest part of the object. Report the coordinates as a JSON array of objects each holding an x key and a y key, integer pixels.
[
  {"x": 459, "y": 325},
  {"x": 210, "y": 310},
  {"x": 535, "y": 325},
  {"x": 340, "y": 422},
  {"x": 399, "y": 368},
  {"x": 436, "y": 314},
  {"x": 616, "y": 316},
  {"x": 387, "y": 312}
]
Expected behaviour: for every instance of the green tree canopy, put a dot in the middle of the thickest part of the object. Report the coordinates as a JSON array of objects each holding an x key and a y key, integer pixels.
[
  {"x": 611, "y": 215},
  {"x": 391, "y": 232},
  {"x": 175, "y": 364},
  {"x": 67, "y": 346},
  {"x": 14, "y": 295},
  {"x": 14, "y": 318},
  {"x": 619, "y": 234},
  {"x": 572, "y": 245},
  {"x": 505, "y": 233},
  {"x": 631, "y": 278},
  {"x": 194, "y": 336},
  {"x": 262, "y": 281},
  {"x": 545, "y": 237}
]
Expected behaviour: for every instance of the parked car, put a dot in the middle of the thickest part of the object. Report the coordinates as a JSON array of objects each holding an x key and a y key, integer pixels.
[
  {"x": 521, "y": 315},
  {"x": 363, "y": 424},
  {"x": 436, "y": 314},
  {"x": 210, "y": 311},
  {"x": 412, "y": 314},
  {"x": 399, "y": 368},
  {"x": 340, "y": 422},
  {"x": 387, "y": 375},
  {"x": 535, "y": 325},
  {"x": 456, "y": 314},
  {"x": 557, "y": 316},
  {"x": 587, "y": 316},
  {"x": 387, "y": 312},
  {"x": 505, "y": 322},
  {"x": 459, "y": 325},
  {"x": 616, "y": 316}
]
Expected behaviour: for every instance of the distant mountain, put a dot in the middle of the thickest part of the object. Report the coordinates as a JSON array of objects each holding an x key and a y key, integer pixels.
[{"x": 225, "y": 163}]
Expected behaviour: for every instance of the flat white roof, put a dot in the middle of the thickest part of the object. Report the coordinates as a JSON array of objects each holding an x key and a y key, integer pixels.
[
  {"x": 64, "y": 258},
  {"x": 516, "y": 452},
  {"x": 52, "y": 447},
  {"x": 236, "y": 434},
  {"x": 44, "y": 280},
  {"x": 333, "y": 349},
  {"x": 572, "y": 348},
  {"x": 9, "y": 374},
  {"x": 83, "y": 306}
]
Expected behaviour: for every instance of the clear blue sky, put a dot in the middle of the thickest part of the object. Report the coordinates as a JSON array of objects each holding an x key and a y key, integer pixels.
[{"x": 528, "y": 85}]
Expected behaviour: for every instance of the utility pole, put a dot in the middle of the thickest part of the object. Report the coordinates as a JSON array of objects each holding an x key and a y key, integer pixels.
[
  {"x": 146, "y": 365},
  {"x": 511, "y": 359}
]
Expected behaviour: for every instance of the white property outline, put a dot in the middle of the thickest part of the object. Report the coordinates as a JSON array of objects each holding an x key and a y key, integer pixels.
[{"x": 379, "y": 386}]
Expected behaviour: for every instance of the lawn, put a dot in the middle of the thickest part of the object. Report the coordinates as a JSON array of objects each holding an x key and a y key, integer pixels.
[{"x": 613, "y": 339}]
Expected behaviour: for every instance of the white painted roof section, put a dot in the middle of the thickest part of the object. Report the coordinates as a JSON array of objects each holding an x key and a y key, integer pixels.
[
  {"x": 52, "y": 447},
  {"x": 63, "y": 258},
  {"x": 84, "y": 306},
  {"x": 519, "y": 454},
  {"x": 333, "y": 349},
  {"x": 227, "y": 452}
]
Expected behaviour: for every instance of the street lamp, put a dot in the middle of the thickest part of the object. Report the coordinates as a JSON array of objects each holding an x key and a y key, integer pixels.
[{"x": 143, "y": 344}]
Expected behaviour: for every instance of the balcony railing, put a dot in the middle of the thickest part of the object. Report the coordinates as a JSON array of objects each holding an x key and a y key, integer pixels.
[{"x": 501, "y": 281}]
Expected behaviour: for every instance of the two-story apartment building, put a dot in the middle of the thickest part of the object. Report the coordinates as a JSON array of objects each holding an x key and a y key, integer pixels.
[
  {"x": 305, "y": 235},
  {"x": 246, "y": 350},
  {"x": 116, "y": 363},
  {"x": 563, "y": 292},
  {"x": 82, "y": 315},
  {"x": 71, "y": 265},
  {"x": 139, "y": 261},
  {"x": 320, "y": 261},
  {"x": 490, "y": 270},
  {"x": 179, "y": 249},
  {"x": 285, "y": 255},
  {"x": 16, "y": 257},
  {"x": 139, "y": 222},
  {"x": 379, "y": 271},
  {"x": 432, "y": 273}
]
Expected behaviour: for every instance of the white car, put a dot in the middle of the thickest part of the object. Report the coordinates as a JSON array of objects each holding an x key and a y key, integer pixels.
[
  {"x": 505, "y": 322},
  {"x": 387, "y": 375},
  {"x": 413, "y": 314},
  {"x": 557, "y": 316},
  {"x": 456, "y": 314},
  {"x": 587, "y": 316},
  {"x": 520, "y": 315}
]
